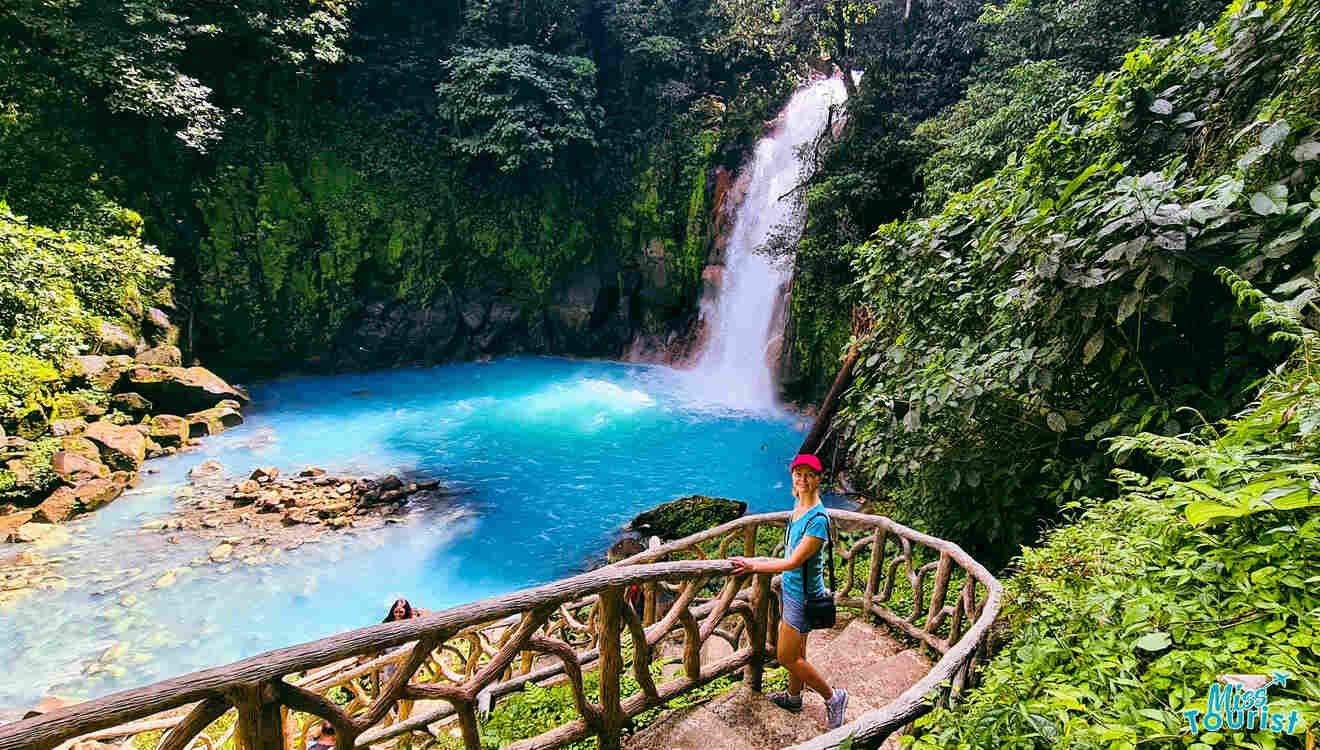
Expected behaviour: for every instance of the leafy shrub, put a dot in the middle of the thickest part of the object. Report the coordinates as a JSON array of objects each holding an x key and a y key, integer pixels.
[
  {"x": 518, "y": 107},
  {"x": 1124, "y": 618},
  {"x": 997, "y": 116},
  {"x": 53, "y": 284},
  {"x": 1070, "y": 297}
]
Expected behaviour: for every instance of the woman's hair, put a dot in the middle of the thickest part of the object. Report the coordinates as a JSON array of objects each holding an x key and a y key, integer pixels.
[
  {"x": 407, "y": 611},
  {"x": 327, "y": 728}
]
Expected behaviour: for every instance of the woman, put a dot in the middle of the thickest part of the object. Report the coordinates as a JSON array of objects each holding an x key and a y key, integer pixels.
[
  {"x": 402, "y": 610},
  {"x": 803, "y": 567},
  {"x": 326, "y": 739}
]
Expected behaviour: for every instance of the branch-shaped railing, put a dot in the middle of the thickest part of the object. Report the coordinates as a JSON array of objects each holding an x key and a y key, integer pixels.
[{"x": 669, "y": 603}]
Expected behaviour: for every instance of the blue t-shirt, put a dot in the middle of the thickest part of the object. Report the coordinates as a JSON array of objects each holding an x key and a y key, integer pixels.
[{"x": 812, "y": 523}]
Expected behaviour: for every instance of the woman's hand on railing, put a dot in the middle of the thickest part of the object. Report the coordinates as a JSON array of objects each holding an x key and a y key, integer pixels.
[{"x": 743, "y": 565}]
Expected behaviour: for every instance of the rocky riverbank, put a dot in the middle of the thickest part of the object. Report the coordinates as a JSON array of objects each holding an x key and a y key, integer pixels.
[
  {"x": 109, "y": 415},
  {"x": 252, "y": 521}
]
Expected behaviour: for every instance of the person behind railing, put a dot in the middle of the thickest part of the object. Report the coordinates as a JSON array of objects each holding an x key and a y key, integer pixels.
[
  {"x": 803, "y": 584},
  {"x": 326, "y": 739},
  {"x": 402, "y": 610}
]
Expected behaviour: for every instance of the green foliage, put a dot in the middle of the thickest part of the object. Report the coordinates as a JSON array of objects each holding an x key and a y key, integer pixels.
[
  {"x": 143, "y": 90},
  {"x": 998, "y": 115},
  {"x": 54, "y": 284},
  {"x": 519, "y": 108},
  {"x": 1087, "y": 36},
  {"x": 1124, "y": 618},
  {"x": 539, "y": 709},
  {"x": 1070, "y": 297}
]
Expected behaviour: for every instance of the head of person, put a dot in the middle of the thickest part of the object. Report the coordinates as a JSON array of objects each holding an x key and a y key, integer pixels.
[
  {"x": 806, "y": 470},
  {"x": 399, "y": 610}
]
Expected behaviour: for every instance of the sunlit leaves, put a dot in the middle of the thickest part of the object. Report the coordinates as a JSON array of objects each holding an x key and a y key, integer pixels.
[{"x": 1272, "y": 200}]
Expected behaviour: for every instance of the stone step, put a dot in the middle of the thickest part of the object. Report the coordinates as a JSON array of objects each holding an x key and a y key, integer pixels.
[
  {"x": 692, "y": 728},
  {"x": 868, "y": 663},
  {"x": 865, "y": 660}
]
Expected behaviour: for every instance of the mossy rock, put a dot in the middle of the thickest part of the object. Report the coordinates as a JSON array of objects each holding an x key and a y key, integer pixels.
[
  {"x": 688, "y": 515},
  {"x": 73, "y": 405},
  {"x": 26, "y": 385},
  {"x": 32, "y": 476}
]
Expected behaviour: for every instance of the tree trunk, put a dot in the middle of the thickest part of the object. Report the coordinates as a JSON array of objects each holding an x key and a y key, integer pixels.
[{"x": 831, "y": 405}]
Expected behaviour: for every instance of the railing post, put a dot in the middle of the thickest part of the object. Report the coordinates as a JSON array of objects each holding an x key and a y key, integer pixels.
[
  {"x": 757, "y": 632},
  {"x": 873, "y": 574},
  {"x": 749, "y": 540},
  {"x": 259, "y": 716},
  {"x": 467, "y": 722},
  {"x": 610, "y": 606},
  {"x": 938, "y": 590}
]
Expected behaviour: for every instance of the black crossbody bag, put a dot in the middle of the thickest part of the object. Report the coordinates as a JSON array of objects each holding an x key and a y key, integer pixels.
[{"x": 821, "y": 613}]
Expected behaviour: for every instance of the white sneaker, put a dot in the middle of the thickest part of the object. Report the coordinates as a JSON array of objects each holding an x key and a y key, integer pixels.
[{"x": 834, "y": 707}]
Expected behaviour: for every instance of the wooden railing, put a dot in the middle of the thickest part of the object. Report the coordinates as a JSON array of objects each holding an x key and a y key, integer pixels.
[{"x": 673, "y": 602}]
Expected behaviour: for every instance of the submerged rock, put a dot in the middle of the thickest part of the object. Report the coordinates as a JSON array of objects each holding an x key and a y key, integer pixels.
[
  {"x": 688, "y": 515},
  {"x": 41, "y": 534},
  {"x": 206, "y": 469}
]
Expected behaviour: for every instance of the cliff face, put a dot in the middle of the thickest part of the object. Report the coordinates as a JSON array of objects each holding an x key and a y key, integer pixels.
[{"x": 320, "y": 264}]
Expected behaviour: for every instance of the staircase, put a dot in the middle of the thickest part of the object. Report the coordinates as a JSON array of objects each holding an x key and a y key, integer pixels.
[{"x": 866, "y": 661}]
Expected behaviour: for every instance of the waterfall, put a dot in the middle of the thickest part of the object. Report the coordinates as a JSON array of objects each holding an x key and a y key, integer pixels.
[{"x": 746, "y": 321}]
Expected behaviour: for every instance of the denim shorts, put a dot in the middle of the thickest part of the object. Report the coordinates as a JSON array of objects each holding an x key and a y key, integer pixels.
[{"x": 794, "y": 612}]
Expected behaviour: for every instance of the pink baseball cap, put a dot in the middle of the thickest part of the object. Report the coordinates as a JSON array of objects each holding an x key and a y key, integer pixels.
[{"x": 806, "y": 459}]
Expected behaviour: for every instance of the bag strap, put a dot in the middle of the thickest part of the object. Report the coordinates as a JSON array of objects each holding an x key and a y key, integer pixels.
[{"x": 829, "y": 549}]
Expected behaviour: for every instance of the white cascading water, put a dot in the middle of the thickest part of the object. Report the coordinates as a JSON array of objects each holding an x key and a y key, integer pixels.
[{"x": 735, "y": 368}]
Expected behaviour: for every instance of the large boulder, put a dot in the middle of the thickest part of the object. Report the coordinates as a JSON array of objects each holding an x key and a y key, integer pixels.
[
  {"x": 66, "y": 427},
  {"x": 166, "y": 355},
  {"x": 130, "y": 403},
  {"x": 392, "y": 334},
  {"x": 687, "y": 515},
  {"x": 76, "y": 469},
  {"x": 502, "y": 318},
  {"x": 115, "y": 340},
  {"x": 625, "y": 548},
  {"x": 213, "y": 421},
  {"x": 97, "y": 371},
  {"x": 179, "y": 390},
  {"x": 169, "y": 430},
  {"x": 158, "y": 327},
  {"x": 92, "y": 495},
  {"x": 58, "y": 508},
  {"x": 121, "y": 447},
  {"x": 574, "y": 304},
  {"x": 82, "y": 446},
  {"x": 75, "y": 405},
  {"x": 474, "y": 314}
]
